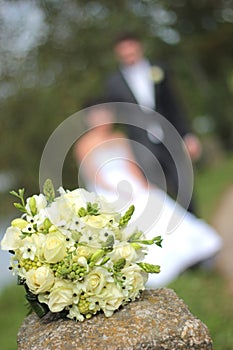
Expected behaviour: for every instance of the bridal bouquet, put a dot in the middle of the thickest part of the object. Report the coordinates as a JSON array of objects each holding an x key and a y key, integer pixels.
[{"x": 73, "y": 254}]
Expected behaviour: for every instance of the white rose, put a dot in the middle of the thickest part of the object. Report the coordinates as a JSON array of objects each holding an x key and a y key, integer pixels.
[
  {"x": 98, "y": 221},
  {"x": 54, "y": 247},
  {"x": 135, "y": 279},
  {"x": 124, "y": 250},
  {"x": 110, "y": 299},
  {"x": 61, "y": 295},
  {"x": 11, "y": 240},
  {"x": 96, "y": 280},
  {"x": 40, "y": 280},
  {"x": 84, "y": 251}
]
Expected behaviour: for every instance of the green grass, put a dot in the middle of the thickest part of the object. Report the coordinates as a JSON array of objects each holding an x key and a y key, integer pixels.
[
  {"x": 210, "y": 184},
  {"x": 206, "y": 293},
  {"x": 12, "y": 312}
]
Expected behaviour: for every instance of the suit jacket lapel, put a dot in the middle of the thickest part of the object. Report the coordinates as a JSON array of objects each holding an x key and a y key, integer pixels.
[
  {"x": 128, "y": 93},
  {"x": 129, "y": 96}
]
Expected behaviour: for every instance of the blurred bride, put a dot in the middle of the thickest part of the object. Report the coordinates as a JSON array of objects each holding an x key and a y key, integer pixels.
[{"x": 107, "y": 166}]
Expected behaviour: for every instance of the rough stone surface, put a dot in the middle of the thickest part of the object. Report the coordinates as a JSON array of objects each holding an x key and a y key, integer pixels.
[{"x": 158, "y": 320}]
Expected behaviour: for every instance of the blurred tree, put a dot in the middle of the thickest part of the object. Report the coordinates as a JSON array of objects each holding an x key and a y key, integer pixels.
[{"x": 55, "y": 56}]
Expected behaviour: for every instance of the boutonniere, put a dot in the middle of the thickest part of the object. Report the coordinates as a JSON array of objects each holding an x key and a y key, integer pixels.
[{"x": 157, "y": 74}]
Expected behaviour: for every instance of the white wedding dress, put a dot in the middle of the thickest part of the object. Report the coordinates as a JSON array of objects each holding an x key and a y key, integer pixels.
[{"x": 190, "y": 240}]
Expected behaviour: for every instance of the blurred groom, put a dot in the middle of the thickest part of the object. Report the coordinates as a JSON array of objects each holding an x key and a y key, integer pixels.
[{"x": 140, "y": 82}]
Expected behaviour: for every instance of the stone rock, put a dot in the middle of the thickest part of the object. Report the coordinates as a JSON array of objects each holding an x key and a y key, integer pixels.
[{"x": 157, "y": 320}]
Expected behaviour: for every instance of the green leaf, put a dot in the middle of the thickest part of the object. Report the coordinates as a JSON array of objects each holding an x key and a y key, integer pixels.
[
  {"x": 20, "y": 207},
  {"x": 149, "y": 268},
  {"x": 156, "y": 240},
  {"x": 119, "y": 264},
  {"x": 92, "y": 209},
  {"x": 40, "y": 309},
  {"x": 108, "y": 245},
  {"x": 135, "y": 236},
  {"x": 105, "y": 260},
  {"x": 14, "y": 193},
  {"x": 135, "y": 245},
  {"x": 82, "y": 212},
  {"x": 96, "y": 257},
  {"x": 20, "y": 195}
]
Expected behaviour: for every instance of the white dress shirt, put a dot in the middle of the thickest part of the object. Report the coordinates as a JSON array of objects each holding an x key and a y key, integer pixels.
[{"x": 138, "y": 78}]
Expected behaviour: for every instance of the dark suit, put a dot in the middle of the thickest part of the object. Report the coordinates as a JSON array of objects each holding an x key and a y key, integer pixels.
[{"x": 117, "y": 90}]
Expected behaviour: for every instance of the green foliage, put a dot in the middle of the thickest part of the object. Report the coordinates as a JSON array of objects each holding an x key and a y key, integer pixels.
[
  {"x": 34, "y": 305},
  {"x": 92, "y": 209},
  {"x": 156, "y": 240},
  {"x": 19, "y": 195},
  {"x": 119, "y": 264},
  {"x": 58, "y": 76},
  {"x": 126, "y": 217},
  {"x": 108, "y": 245},
  {"x": 149, "y": 268}
]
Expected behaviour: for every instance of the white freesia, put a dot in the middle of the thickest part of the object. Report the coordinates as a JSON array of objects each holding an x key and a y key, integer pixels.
[
  {"x": 82, "y": 261},
  {"x": 40, "y": 203},
  {"x": 60, "y": 212},
  {"x": 11, "y": 240},
  {"x": 40, "y": 280}
]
